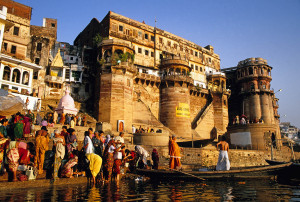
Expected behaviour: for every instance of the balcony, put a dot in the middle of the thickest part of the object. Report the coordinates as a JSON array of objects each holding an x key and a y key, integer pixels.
[{"x": 54, "y": 79}]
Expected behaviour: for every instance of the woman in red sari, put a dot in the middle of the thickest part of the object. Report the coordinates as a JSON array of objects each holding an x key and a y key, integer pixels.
[{"x": 27, "y": 128}]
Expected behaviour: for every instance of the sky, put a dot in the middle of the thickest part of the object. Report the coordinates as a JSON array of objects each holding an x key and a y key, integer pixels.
[{"x": 237, "y": 29}]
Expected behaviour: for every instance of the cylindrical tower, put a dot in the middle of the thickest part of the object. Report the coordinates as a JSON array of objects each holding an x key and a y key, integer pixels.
[
  {"x": 254, "y": 75},
  {"x": 175, "y": 96}
]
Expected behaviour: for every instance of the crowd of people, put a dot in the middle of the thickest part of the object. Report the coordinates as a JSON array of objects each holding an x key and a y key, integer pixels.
[
  {"x": 101, "y": 157},
  {"x": 65, "y": 119}
]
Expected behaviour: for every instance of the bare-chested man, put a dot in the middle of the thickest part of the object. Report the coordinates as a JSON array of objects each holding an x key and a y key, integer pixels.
[{"x": 223, "y": 161}]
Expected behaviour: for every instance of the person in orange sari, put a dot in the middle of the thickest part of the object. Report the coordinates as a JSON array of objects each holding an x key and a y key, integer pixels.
[
  {"x": 63, "y": 119},
  {"x": 174, "y": 152}
]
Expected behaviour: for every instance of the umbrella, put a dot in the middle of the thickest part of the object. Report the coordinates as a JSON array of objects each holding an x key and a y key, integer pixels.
[{"x": 10, "y": 105}]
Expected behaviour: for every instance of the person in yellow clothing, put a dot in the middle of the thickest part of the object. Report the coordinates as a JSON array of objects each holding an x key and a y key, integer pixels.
[
  {"x": 41, "y": 143},
  {"x": 95, "y": 164}
]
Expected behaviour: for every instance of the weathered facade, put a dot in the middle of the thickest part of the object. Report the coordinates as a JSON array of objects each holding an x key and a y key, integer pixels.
[
  {"x": 253, "y": 99},
  {"x": 151, "y": 78}
]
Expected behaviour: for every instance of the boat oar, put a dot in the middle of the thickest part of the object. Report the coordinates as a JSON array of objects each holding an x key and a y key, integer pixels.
[{"x": 199, "y": 178}]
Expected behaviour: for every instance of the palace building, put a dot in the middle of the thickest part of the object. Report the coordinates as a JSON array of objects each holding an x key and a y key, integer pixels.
[{"x": 148, "y": 77}]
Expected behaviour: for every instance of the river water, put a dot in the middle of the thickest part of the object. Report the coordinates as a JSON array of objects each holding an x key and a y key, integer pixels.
[{"x": 131, "y": 190}]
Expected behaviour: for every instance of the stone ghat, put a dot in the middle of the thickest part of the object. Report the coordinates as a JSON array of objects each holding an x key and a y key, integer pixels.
[{"x": 195, "y": 158}]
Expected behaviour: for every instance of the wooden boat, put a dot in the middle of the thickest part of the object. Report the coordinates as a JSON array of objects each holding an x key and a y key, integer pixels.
[
  {"x": 289, "y": 172},
  {"x": 238, "y": 173},
  {"x": 196, "y": 143}
]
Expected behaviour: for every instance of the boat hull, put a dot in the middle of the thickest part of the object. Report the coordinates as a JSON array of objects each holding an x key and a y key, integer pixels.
[{"x": 242, "y": 173}]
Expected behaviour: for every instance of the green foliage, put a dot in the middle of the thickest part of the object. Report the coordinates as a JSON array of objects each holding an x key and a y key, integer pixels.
[
  {"x": 98, "y": 39},
  {"x": 123, "y": 57},
  {"x": 102, "y": 61}
]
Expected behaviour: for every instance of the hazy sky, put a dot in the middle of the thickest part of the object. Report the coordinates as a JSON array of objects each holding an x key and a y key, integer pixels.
[{"x": 237, "y": 29}]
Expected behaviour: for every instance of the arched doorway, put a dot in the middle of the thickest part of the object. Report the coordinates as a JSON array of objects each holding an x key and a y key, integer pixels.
[
  {"x": 6, "y": 73},
  {"x": 16, "y": 76},
  {"x": 25, "y": 78}
]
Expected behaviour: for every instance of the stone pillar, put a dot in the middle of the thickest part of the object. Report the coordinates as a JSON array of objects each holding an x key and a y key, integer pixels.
[
  {"x": 256, "y": 108},
  {"x": 265, "y": 109},
  {"x": 247, "y": 107},
  {"x": 271, "y": 110},
  {"x": 175, "y": 110}
]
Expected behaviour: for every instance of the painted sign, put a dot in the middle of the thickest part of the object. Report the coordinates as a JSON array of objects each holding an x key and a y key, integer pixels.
[{"x": 183, "y": 110}]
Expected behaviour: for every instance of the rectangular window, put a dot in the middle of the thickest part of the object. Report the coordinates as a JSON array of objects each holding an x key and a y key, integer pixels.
[
  {"x": 139, "y": 50},
  {"x": 181, "y": 48},
  {"x": 114, "y": 27},
  {"x": 146, "y": 52},
  {"x": 16, "y": 31},
  {"x": 152, "y": 38},
  {"x": 127, "y": 32},
  {"x": 135, "y": 33},
  {"x": 196, "y": 53},
  {"x": 196, "y": 68},
  {"x": 71, "y": 58},
  {"x": 140, "y": 34},
  {"x": 175, "y": 46},
  {"x": 120, "y": 28},
  {"x": 13, "y": 49},
  {"x": 39, "y": 47},
  {"x": 192, "y": 66},
  {"x": 192, "y": 52},
  {"x": 152, "y": 54},
  {"x": 169, "y": 43},
  {"x": 67, "y": 76},
  {"x": 5, "y": 46},
  {"x": 35, "y": 74},
  {"x": 146, "y": 36},
  {"x": 37, "y": 61},
  {"x": 209, "y": 59},
  {"x": 5, "y": 87},
  {"x": 160, "y": 40}
]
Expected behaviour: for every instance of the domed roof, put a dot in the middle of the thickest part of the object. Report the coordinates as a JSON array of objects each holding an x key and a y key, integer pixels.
[{"x": 66, "y": 104}]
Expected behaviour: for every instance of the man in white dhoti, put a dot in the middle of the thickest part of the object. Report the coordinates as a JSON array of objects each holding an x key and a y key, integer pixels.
[{"x": 223, "y": 161}]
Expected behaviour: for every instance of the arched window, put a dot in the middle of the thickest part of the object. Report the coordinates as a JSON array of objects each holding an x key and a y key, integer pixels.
[
  {"x": 6, "y": 73},
  {"x": 171, "y": 71},
  {"x": 269, "y": 72},
  {"x": 178, "y": 71},
  {"x": 252, "y": 87},
  {"x": 107, "y": 56},
  {"x": 250, "y": 70},
  {"x": 16, "y": 76},
  {"x": 262, "y": 71},
  {"x": 201, "y": 69},
  {"x": 25, "y": 78},
  {"x": 183, "y": 72}
]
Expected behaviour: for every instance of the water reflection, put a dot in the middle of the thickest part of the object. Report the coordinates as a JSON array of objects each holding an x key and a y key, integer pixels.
[{"x": 129, "y": 190}]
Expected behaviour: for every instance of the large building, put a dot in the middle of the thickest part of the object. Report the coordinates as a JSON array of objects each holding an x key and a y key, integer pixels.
[
  {"x": 253, "y": 100},
  {"x": 148, "y": 77},
  {"x": 16, "y": 69}
]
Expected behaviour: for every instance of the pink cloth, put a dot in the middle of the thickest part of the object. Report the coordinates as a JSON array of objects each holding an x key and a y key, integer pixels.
[{"x": 22, "y": 145}]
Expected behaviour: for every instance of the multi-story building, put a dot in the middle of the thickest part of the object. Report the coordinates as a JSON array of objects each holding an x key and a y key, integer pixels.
[
  {"x": 146, "y": 76},
  {"x": 16, "y": 69},
  {"x": 254, "y": 101}
]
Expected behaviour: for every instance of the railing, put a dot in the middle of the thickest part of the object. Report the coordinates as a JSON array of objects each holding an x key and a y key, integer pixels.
[{"x": 56, "y": 79}]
